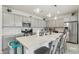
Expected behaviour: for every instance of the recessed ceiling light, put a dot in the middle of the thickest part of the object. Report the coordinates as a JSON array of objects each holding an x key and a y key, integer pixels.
[
  {"x": 37, "y": 10},
  {"x": 49, "y": 15},
  {"x": 55, "y": 17}
]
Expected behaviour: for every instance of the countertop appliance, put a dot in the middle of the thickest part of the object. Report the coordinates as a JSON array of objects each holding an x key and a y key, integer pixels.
[{"x": 27, "y": 32}]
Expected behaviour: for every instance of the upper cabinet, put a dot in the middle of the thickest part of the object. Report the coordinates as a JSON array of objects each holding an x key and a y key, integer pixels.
[
  {"x": 8, "y": 19},
  {"x": 26, "y": 19},
  {"x": 43, "y": 23},
  {"x": 18, "y": 20},
  {"x": 73, "y": 18},
  {"x": 34, "y": 23},
  {"x": 51, "y": 23},
  {"x": 59, "y": 23},
  {"x": 70, "y": 18},
  {"x": 56, "y": 23},
  {"x": 38, "y": 23},
  {"x": 12, "y": 19}
]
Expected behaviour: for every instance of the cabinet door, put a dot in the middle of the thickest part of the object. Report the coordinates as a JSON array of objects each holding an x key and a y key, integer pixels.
[
  {"x": 8, "y": 19},
  {"x": 73, "y": 18},
  {"x": 18, "y": 20},
  {"x": 51, "y": 23},
  {"x": 43, "y": 24},
  {"x": 26, "y": 19},
  {"x": 38, "y": 23},
  {"x": 59, "y": 23},
  {"x": 33, "y": 23}
]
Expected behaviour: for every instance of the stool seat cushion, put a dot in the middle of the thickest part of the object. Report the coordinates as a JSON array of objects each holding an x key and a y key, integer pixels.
[
  {"x": 42, "y": 50},
  {"x": 14, "y": 44}
]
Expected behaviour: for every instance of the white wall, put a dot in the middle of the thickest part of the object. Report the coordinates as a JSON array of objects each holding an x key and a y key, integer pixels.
[{"x": 0, "y": 29}]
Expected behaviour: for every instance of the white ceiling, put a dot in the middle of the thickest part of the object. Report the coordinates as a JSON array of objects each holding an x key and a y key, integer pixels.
[{"x": 45, "y": 9}]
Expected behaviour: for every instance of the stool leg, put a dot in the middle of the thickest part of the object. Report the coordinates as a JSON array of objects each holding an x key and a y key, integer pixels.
[
  {"x": 22, "y": 49},
  {"x": 15, "y": 50}
]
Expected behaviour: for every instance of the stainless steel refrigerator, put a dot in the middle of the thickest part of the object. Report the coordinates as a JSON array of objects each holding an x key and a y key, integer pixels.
[{"x": 73, "y": 31}]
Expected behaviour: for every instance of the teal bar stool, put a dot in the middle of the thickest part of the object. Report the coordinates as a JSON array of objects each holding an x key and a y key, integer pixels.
[{"x": 14, "y": 45}]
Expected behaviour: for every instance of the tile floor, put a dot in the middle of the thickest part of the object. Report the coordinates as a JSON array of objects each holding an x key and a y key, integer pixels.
[{"x": 72, "y": 48}]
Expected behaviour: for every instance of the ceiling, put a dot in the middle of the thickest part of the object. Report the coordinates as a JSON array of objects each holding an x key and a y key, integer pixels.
[{"x": 54, "y": 10}]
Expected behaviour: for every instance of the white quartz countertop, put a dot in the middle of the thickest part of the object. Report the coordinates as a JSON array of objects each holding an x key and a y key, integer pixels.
[{"x": 34, "y": 40}]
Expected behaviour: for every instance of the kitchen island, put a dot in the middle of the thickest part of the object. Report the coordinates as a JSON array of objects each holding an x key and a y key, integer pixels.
[{"x": 34, "y": 42}]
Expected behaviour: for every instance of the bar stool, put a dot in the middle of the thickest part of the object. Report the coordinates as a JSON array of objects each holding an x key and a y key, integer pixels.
[
  {"x": 13, "y": 45},
  {"x": 44, "y": 49}
]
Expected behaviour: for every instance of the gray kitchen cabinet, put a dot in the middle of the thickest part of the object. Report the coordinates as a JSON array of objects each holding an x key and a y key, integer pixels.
[
  {"x": 34, "y": 23},
  {"x": 43, "y": 24},
  {"x": 38, "y": 23},
  {"x": 18, "y": 20},
  {"x": 8, "y": 19},
  {"x": 51, "y": 23},
  {"x": 59, "y": 23},
  {"x": 26, "y": 19},
  {"x": 73, "y": 18}
]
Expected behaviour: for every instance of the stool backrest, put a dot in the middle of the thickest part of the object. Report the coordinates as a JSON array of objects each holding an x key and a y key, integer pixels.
[
  {"x": 55, "y": 46},
  {"x": 63, "y": 42},
  {"x": 63, "y": 39}
]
